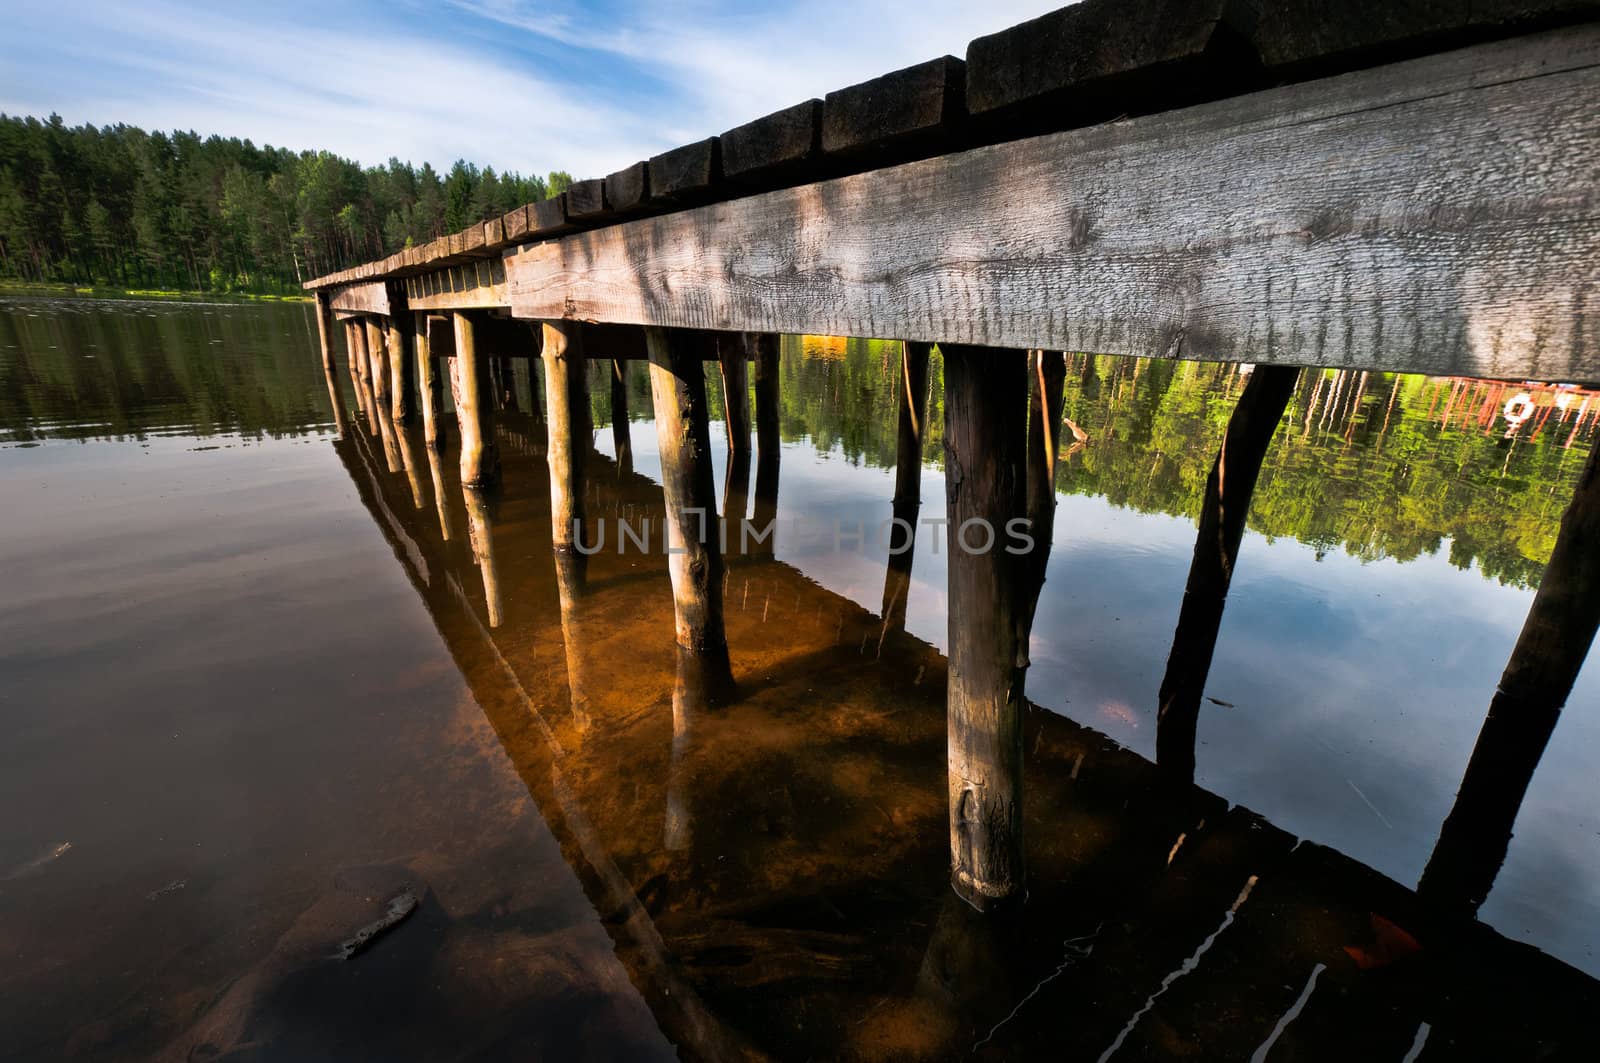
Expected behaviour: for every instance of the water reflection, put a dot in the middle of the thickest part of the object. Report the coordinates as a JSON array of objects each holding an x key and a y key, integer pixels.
[
  {"x": 772, "y": 866},
  {"x": 790, "y": 850}
]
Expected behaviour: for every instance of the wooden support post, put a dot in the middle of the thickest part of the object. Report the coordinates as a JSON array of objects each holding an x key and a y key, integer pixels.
[
  {"x": 621, "y": 431},
  {"x": 361, "y": 372},
  {"x": 567, "y": 424},
  {"x": 378, "y": 370},
  {"x": 325, "y": 341},
  {"x": 683, "y": 431},
  {"x": 1047, "y": 375},
  {"x": 1216, "y": 548},
  {"x": 402, "y": 369},
  {"x": 763, "y": 347},
  {"x": 985, "y": 449},
  {"x": 481, "y": 536},
  {"x": 734, "y": 357},
  {"x": 1544, "y": 664},
  {"x": 907, "y": 502},
  {"x": 390, "y": 435},
  {"x": 480, "y": 457},
  {"x": 425, "y": 383}
]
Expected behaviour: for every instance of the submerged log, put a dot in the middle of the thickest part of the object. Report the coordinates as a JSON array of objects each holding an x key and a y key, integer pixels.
[
  {"x": 763, "y": 347},
  {"x": 677, "y": 386},
  {"x": 907, "y": 503},
  {"x": 1544, "y": 664},
  {"x": 985, "y": 451},
  {"x": 480, "y": 457},
  {"x": 1216, "y": 548}
]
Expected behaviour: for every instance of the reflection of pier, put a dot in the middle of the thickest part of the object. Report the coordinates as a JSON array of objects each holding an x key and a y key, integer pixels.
[
  {"x": 792, "y": 799},
  {"x": 773, "y": 870}
]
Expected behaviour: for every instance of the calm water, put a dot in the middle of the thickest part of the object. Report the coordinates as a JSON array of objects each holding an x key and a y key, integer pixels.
[{"x": 254, "y": 690}]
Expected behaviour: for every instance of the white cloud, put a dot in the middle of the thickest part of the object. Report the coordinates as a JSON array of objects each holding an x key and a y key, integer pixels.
[{"x": 422, "y": 85}]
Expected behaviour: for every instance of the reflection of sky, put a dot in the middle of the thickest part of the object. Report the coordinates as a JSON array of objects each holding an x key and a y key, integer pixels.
[{"x": 1357, "y": 690}]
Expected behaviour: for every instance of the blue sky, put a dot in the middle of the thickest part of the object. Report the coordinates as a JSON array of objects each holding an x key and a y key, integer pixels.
[{"x": 527, "y": 85}]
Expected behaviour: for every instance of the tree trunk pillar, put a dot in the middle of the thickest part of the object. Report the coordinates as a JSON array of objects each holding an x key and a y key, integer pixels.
[
  {"x": 985, "y": 461},
  {"x": 677, "y": 388},
  {"x": 480, "y": 458}
]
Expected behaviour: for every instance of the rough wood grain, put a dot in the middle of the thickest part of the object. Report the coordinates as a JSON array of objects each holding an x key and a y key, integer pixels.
[
  {"x": 567, "y": 424},
  {"x": 628, "y": 187},
  {"x": 683, "y": 433},
  {"x": 371, "y": 297},
  {"x": 781, "y": 142},
  {"x": 985, "y": 447},
  {"x": 480, "y": 456},
  {"x": 1125, "y": 55},
  {"x": 550, "y": 215},
  {"x": 1441, "y": 215},
  {"x": 916, "y": 102},
  {"x": 690, "y": 170},
  {"x": 479, "y": 284},
  {"x": 586, "y": 200},
  {"x": 1296, "y": 36}
]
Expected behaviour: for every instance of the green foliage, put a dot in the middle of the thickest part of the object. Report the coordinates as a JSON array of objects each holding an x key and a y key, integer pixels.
[
  {"x": 1362, "y": 462},
  {"x": 122, "y": 207}
]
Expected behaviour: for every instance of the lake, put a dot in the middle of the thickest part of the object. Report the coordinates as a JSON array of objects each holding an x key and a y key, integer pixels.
[{"x": 312, "y": 754}]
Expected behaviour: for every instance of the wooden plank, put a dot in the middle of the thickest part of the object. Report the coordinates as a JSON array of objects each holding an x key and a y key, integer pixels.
[
  {"x": 516, "y": 224},
  {"x": 783, "y": 142},
  {"x": 586, "y": 200},
  {"x": 687, "y": 171},
  {"x": 1299, "y": 36},
  {"x": 1108, "y": 57},
  {"x": 1437, "y": 216},
  {"x": 921, "y": 103},
  {"x": 479, "y": 284},
  {"x": 371, "y": 297},
  {"x": 549, "y": 215},
  {"x": 628, "y": 188}
]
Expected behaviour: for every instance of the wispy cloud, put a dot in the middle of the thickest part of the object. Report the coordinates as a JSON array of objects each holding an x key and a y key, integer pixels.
[{"x": 510, "y": 83}]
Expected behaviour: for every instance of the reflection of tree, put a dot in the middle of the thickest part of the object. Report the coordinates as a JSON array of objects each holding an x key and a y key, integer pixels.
[
  {"x": 1369, "y": 470},
  {"x": 133, "y": 369}
]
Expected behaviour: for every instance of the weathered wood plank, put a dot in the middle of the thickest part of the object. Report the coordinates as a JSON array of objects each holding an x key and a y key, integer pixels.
[
  {"x": 690, "y": 170},
  {"x": 549, "y": 215},
  {"x": 1294, "y": 36},
  {"x": 628, "y": 188},
  {"x": 921, "y": 101},
  {"x": 1125, "y": 55},
  {"x": 1440, "y": 215},
  {"x": 782, "y": 142},
  {"x": 480, "y": 284},
  {"x": 586, "y": 200},
  {"x": 371, "y": 297}
]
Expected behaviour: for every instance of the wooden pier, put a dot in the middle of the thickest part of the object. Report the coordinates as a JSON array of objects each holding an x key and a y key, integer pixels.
[
  {"x": 1282, "y": 183},
  {"x": 774, "y": 880}
]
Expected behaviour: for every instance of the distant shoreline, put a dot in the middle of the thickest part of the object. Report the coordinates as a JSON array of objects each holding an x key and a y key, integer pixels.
[{"x": 170, "y": 295}]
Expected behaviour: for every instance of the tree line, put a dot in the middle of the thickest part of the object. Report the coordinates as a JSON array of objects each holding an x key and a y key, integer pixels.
[{"x": 116, "y": 205}]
